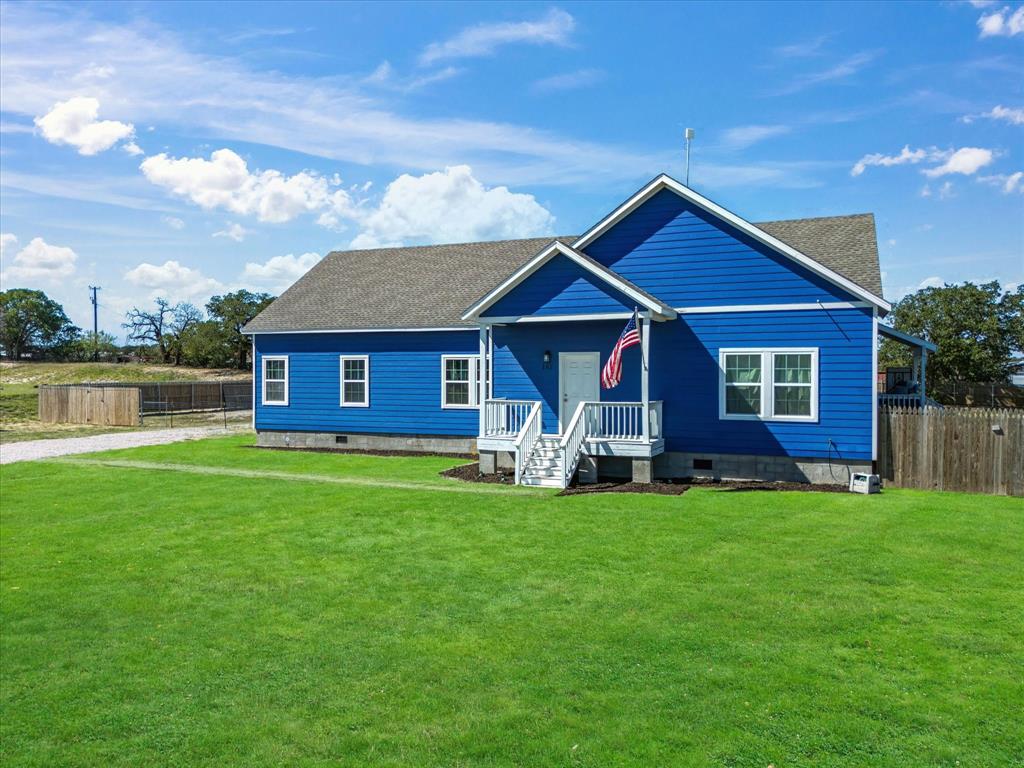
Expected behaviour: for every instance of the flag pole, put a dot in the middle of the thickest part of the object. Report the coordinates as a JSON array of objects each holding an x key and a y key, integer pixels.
[{"x": 640, "y": 333}]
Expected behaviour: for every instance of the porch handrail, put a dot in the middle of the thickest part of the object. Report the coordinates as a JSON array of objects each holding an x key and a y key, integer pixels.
[
  {"x": 654, "y": 415},
  {"x": 527, "y": 439},
  {"x": 505, "y": 418},
  {"x": 572, "y": 442}
]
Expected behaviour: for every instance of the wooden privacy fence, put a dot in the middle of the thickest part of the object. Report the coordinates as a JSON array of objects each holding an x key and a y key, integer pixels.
[
  {"x": 978, "y": 450},
  {"x": 106, "y": 406}
]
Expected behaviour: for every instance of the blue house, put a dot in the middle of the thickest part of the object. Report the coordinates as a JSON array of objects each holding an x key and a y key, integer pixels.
[{"x": 758, "y": 352}]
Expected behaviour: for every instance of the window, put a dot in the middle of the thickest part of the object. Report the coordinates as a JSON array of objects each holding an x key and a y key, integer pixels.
[
  {"x": 355, "y": 381},
  {"x": 769, "y": 384},
  {"x": 460, "y": 381},
  {"x": 275, "y": 380}
]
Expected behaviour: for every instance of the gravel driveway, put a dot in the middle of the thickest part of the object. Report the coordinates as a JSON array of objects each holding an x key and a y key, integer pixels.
[{"x": 46, "y": 449}]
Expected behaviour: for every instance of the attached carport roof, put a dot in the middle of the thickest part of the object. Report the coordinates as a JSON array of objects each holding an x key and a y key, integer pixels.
[{"x": 906, "y": 338}]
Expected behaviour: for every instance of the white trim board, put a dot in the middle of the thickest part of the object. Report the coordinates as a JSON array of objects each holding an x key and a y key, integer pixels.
[
  {"x": 773, "y": 307},
  {"x": 664, "y": 181},
  {"x": 467, "y": 329},
  {"x": 557, "y": 248},
  {"x": 264, "y": 359},
  {"x": 365, "y": 381}
]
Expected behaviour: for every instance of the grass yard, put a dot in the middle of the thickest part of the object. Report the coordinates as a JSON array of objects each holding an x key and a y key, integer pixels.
[
  {"x": 19, "y": 395},
  {"x": 171, "y": 606}
]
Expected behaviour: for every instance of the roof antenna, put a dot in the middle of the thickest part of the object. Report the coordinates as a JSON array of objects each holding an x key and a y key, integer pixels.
[{"x": 689, "y": 137}]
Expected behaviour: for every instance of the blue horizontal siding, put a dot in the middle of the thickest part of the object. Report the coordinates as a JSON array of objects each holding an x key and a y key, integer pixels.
[
  {"x": 519, "y": 372},
  {"x": 684, "y": 374},
  {"x": 560, "y": 287},
  {"x": 405, "y": 383},
  {"x": 684, "y": 357},
  {"x": 686, "y": 257}
]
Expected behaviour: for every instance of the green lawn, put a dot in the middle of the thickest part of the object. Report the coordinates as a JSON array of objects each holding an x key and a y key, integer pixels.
[{"x": 170, "y": 606}]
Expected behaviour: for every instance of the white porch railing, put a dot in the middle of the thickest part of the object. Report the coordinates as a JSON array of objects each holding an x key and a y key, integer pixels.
[
  {"x": 906, "y": 401},
  {"x": 505, "y": 418},
  {"x": 571, "y": 445},
  {"x": 623, "y": 421},
  {"x": 527, "y": 439}
]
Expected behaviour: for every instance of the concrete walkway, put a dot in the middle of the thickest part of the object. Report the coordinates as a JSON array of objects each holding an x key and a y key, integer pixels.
[{"x": 65, "y": 446}]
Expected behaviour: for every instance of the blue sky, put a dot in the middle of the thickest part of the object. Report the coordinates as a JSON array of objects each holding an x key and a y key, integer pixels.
[{"x": 183, "y": 149}]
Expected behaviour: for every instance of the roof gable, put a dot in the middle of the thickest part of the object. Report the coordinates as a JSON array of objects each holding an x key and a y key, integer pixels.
[
  {"x": 561, "y": 280},
  {"x": 658, "y": 193}
]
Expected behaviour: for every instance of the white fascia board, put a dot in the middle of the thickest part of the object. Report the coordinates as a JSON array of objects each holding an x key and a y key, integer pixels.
[
  {"x": 667, "y": 182},
  {"x": 543, "y": 258},
  {"x": 773, "y": 307},
  {"x": 466, "y": 329}
]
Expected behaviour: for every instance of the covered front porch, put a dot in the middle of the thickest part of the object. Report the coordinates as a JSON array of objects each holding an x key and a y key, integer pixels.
[
  {"x": 907, "y": 388},
  {"x": 543, "y": 410}
]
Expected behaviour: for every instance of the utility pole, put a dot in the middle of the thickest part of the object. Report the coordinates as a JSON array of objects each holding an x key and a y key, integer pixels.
[
  {"x": 95, "y": 324},
  {"x": 689, "y": 137}
]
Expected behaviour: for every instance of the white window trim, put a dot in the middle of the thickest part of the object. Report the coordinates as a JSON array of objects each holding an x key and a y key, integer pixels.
[
  {"x": 263, "y": 379},
  {"x": 365, "y": 403},
  {"x": 768, "y": 383},
  {"x": 474, "y": 382}
]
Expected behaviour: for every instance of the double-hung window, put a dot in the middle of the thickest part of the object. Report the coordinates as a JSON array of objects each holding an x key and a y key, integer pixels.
[
  {"x": 355, "y": 381},
  {"x": 460, "y": 381},
  {"x": 768, "y": 384},
  {"x": 275, "y": 380}
]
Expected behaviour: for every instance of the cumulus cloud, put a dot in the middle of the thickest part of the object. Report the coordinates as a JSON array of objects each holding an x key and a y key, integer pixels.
[
  {"x": 173, "y": 281},
  {"x": 224, "y": 181},
  {"x": 76, "y": 122},
  {"x": 278, "y": 273},
  {"x": 233, "y": 231},
  {"x": 1009, "y": 183},
  {"x": 173, "y": 222},
  {"x": 1002, "y": 23},
  {"x": 36, "y": 261},
  {"x": 553, "y": 28},
  {"x": 966, "y": 161},
  {"x": 1009, "y": 115},
  {"x": 446, "y": 207}
]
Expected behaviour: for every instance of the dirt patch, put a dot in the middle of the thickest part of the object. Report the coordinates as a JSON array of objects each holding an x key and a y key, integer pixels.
[
  {"x": 365, "y": 452},
  {"x": 470, "y": 473},
  {"x": 662, "y": 488}
]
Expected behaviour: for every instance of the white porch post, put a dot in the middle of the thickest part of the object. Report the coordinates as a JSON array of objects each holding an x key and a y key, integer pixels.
[
  {"x": 921, "y": 382},
  {"x": 484, "y": 372},
  {"x": 645, "y": 375}
]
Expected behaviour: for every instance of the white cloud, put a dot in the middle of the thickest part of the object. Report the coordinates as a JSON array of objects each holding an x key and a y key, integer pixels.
[
  {"x": 1010, "y": 115},
  {"x": 173, "y": 281},
  {"x": 801, "y": 50},
  {"x": 946, "y": 190},
  {"x": 846, "y": 68},
  {"x": 982, "y": 3},
  {"x": 744, "y": 136},
  {"x": 966, "y": 161},
  {"x": 931, "y": 282},
  {"x": 446, "y": 207},
  {"x": 1009, "y": 183},
  {"x": 553, "y": 28},
  {"x": 234, "y": 231},
  {"x": 224, "y": 181},
  {"x": 36, "y": 261},
  {"x": 906, "y": 155},
  {"x": 568, "y": 81},
  {"x": 132, "y": 149},
  {"x": 1002, "y": 23},
  {"x": 384, "y": 76},
  {"x": 173, "y": 222},
  {"x": 278, "y": 273},
  {"x": 75, "y": 122}
]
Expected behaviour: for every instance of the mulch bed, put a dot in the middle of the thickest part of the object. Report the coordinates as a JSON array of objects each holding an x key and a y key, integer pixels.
[
  {"x": 470, "y": 473},
  {"x": 679, "y": 487},
  {"x": 364, "y": 451}
]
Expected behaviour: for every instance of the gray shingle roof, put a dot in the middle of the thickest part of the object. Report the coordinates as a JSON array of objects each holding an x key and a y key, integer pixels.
[{"x": 431, "y": 286}]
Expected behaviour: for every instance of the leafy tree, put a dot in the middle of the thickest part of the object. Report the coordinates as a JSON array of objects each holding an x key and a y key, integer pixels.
[
  {"x": 232, "y": 311},
  {"x": 82, "y": 349},
  {"x": 976, "y": 327},
  {"x": 32, "y": 321},
  {"x": 206, "y": 344},
  {"x": 164, "y": 327}
]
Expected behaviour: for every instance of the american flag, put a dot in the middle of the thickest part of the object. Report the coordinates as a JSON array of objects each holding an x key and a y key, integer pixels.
[{"x": 612, "y": 373}]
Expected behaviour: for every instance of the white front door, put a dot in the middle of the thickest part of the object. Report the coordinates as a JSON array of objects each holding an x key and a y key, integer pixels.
[{"x": 579, "y": 379}]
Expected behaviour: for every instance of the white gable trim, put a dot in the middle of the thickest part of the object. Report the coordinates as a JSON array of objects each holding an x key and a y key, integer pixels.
[
  {"x": 543, "y": 258},
  {"x": 667, "y": 182}
]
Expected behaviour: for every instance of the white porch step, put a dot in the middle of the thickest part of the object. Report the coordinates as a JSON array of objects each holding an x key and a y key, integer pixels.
[{"x": 543, "y": 482}]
